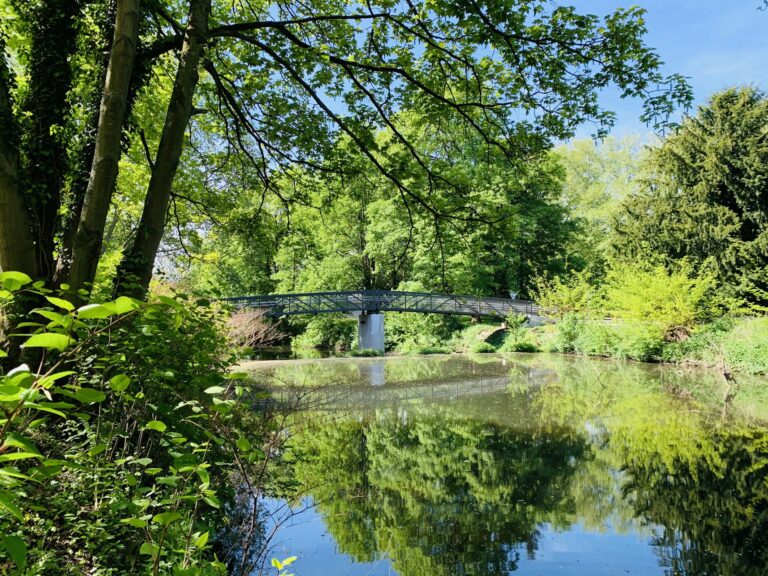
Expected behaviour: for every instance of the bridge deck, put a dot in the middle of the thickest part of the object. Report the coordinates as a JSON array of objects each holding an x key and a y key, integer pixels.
[{"x": 374, "y": 301}]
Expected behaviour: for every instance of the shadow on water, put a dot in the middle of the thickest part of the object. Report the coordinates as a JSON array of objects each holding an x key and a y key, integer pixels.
[{"x": 526, "y": 465}]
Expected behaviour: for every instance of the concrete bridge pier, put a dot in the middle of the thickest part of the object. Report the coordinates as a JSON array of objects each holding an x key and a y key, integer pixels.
[{"x": 370, "y": 331}]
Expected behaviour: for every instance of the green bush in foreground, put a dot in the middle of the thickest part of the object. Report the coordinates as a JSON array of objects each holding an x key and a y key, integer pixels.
[{"x": 120, "y": 434}]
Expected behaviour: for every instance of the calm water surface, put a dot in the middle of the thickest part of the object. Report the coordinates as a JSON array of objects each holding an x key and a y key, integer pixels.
[{"x": 531, "y": 465}]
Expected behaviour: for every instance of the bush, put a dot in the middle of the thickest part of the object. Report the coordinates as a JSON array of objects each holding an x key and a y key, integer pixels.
[
  {"x": 659, "y": 297},
  {"x": 137, "y": 431},
  {"x": 417, "y": 348},
  {"x": 568, "y": 330},
  {"x": 251, "y": 328},
  {"x": 482, "y": 348},
  {"x": 524, "y": 346}
]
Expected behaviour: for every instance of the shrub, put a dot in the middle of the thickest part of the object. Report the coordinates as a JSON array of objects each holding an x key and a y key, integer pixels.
[
  {"x": 482, "y": 348},
  {"x": 562, "y": 296},
  {"x": 657, "y": 296},
  {"x": 568, "y": 330},
  {"x": 251, "y": 328},
  {"x": 524, "y": 346},
  {"x": 745, "y": 348},
  {"x": 121, "y": 442}
]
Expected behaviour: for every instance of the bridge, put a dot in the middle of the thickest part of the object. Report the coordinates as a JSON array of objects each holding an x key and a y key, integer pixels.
[{"x": 369, "y": 306}]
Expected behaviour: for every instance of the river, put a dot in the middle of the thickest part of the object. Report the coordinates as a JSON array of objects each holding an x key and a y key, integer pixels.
[{"x": 526, "y": 464}]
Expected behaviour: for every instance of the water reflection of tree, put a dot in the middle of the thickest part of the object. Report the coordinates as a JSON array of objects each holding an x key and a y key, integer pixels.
[
  {"x": 464, "y": 489},
  {"x": 702, "y": 480},
  {"x": 714, "y": 509},
  {"x": 439, "y": 495}
]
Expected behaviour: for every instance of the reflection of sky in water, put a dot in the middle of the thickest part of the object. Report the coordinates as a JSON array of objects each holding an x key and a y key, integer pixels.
[{"x": 575, "y": 551}]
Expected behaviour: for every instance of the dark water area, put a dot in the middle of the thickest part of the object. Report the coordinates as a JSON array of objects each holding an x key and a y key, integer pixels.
[{"x": 532, "y": 465}]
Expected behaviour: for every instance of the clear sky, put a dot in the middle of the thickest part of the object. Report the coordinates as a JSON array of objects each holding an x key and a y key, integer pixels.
[{"x": 714, "y": 43}]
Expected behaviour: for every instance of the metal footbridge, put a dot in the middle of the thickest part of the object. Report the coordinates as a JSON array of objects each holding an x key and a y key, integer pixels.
[{"x": 367, "y": 302}]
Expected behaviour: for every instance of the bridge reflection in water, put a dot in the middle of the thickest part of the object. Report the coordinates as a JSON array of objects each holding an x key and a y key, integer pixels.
[{"x": 368, "y": 305}]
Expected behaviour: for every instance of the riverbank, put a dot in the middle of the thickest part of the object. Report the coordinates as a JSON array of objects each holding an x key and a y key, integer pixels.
[{"x": 732, "y": 344}]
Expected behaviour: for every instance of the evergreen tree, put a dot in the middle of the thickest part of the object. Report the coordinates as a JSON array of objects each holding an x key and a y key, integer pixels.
[{"x": 706, "y": 199}]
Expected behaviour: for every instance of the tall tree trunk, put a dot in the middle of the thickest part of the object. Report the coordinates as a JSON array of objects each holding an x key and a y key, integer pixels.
[
  {"x": 17, "y": 250},
  {"x": 83, "y": 159},
  {"x": 87, "y": 245},
  {"x": 52, "y": 25},
  {"x": 135, "y": 270}
]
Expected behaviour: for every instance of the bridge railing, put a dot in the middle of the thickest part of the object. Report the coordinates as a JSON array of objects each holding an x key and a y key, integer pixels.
[{"x": 372, "y": 301}]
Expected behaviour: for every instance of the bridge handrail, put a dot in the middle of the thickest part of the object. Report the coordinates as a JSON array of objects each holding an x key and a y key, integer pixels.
[{"x": 386, "y": 300}]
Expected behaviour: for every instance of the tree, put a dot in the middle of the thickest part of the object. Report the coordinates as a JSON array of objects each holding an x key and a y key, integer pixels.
[
  {"x": 282, "y": 83},
  {"x": 705, "y": 199},
  {"x": 106, "y": 155},
  {"x": 599, "y": 176}
]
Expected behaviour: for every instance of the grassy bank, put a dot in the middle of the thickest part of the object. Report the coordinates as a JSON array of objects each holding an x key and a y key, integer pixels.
[{"x": 739, "y": 343}]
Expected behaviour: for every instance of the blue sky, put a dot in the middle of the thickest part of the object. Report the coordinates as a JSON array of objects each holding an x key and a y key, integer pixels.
[{"x": 714, "y": 43}]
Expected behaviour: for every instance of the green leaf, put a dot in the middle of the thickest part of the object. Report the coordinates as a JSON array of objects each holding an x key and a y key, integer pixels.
[
  {"x": 95, "y": 311},
  {"x": 290, "y": 560},
  {"x": 46, "y": 381},
  {"x": 13, "y": 473},
  {"x": 202, "y": 540},
  {"x": 215, "y": 390},
  {"x": 135, "y": 522},
  {"x": 3, "y": 353},
  {"x": 18, "y": 456},
  {"x": 97, "y": 449},
  {"x": 119, "y": 382},
  {"x": 156, "y": 425},
  {"x": 125, "y": 304},
  {"x": 49, "y": 340},
  {"x": 89, "y": 395},
  {"x": 212, "y": 500},
  {"x": 16, "y": 440},
  {"x": 277, "y": 564},
  {"x": 17, "y": 550},
  {"x": 149, "y": 549},
  {"x": 243, "y": 444},
  {"x": 7, "y": 502},
  {"x": 205, "y": 478},
  {"x": 166, "y": 518},
  {"x": 47, "y": 407},
  {"x": 61, "y": 303},
  {"x": 55, "y": 317},
  {"x": 14, "y": 280}
]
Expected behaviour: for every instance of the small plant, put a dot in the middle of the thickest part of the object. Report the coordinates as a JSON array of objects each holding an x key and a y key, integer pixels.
[{"x": 281, "y": 565}]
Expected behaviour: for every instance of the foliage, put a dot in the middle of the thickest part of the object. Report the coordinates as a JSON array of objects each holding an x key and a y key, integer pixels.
[
  {"x": 658, "y": 296},
  {"x": 561, "y": 295},
  {"x": 482, "y": 348},
  {"x": 599, "y": 176},
  {"x": 329, "y": 332},
  {"x": 704, "y": 200},
  {"x": 117, "y": 449}
]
